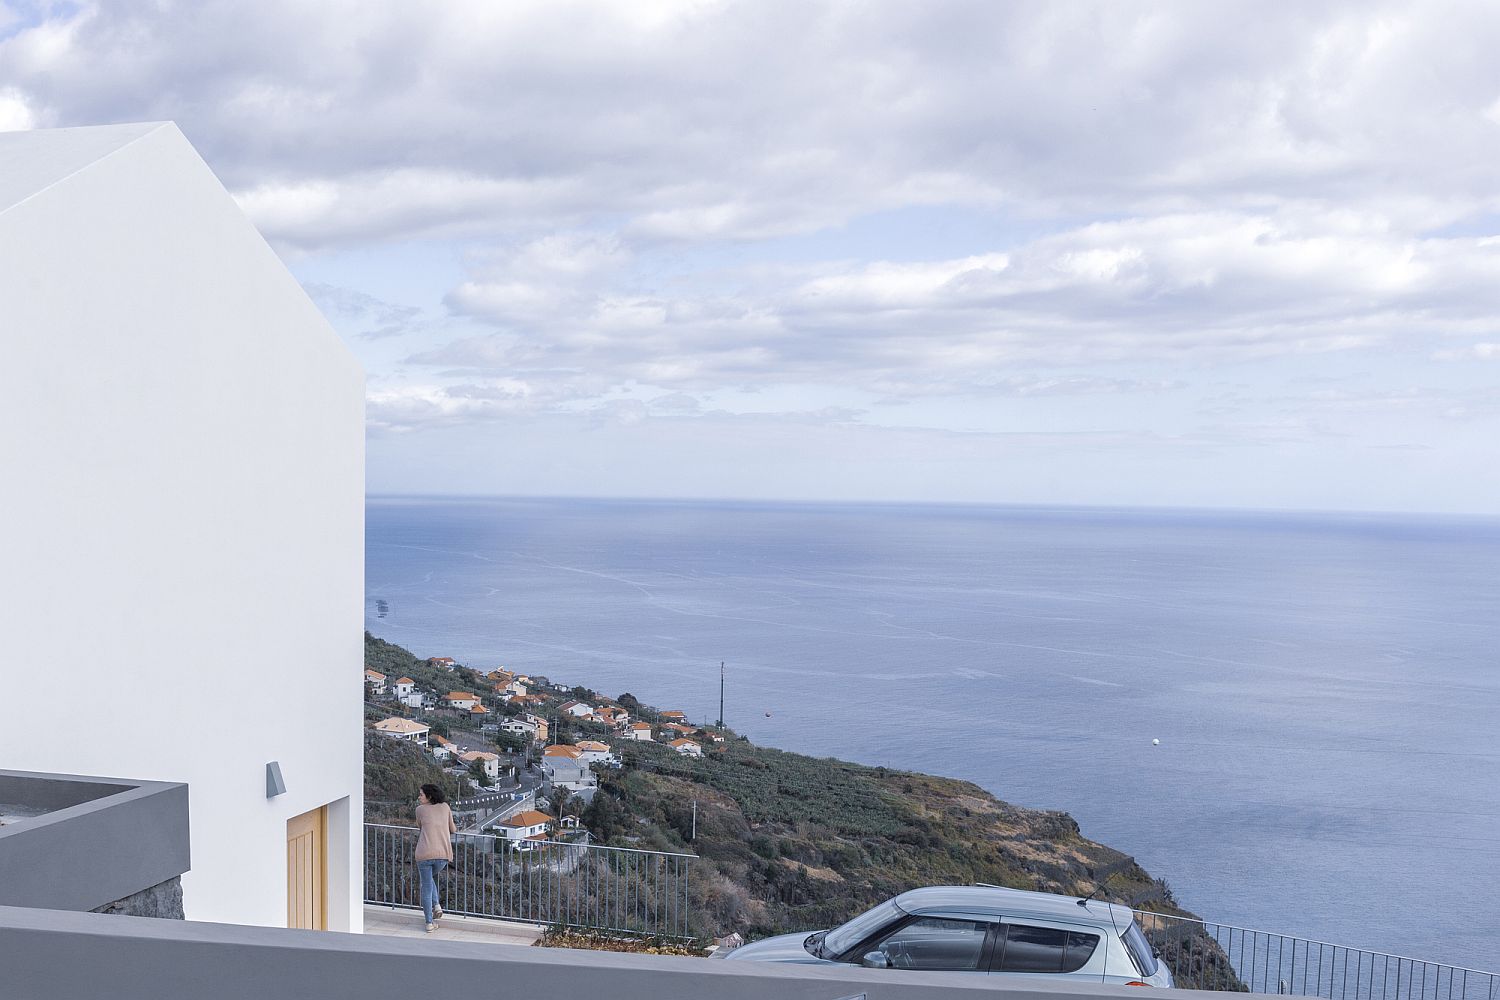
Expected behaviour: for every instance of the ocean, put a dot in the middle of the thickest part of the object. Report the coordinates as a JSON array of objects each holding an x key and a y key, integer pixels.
[{"x": 1324, "y": 687}]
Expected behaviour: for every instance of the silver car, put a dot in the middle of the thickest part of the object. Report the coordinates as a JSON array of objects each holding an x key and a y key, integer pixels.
[{"x": 981, "y": 929}]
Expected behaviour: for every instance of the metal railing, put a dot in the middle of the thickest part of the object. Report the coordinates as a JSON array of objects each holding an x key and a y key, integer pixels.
[
  {"x": 1208, "y": 956},
  {"x": 553, "y": 882}
]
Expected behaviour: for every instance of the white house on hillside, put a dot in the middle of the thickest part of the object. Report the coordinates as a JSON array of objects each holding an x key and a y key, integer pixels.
[
  {"x": 182, "y": 481},
  {"x": 639, "y": 731},
  {"x": 686, "y": 747},
  {"x": 524, "y": 829},
  {"x": 461, "y": 700},
  {"x": 403, "y": 729},
  {"x": 376, "y": 680},
  {"x": 578, "y": 709}
]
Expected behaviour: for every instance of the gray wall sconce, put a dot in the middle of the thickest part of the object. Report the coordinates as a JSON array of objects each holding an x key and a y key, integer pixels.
[{"x": 274, "y": 785}]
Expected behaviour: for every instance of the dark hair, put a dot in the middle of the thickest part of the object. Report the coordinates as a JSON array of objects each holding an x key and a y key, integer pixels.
[{"x": 434, "y": 794}]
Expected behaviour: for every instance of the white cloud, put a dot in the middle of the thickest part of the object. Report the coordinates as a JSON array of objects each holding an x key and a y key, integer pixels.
[
  {"x": 15, "y": 112},
  {"x": 696, "y": 121}
]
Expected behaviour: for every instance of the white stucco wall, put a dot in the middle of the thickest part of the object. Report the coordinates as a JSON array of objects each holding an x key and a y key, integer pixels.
[{"x": 181, "y": 508}]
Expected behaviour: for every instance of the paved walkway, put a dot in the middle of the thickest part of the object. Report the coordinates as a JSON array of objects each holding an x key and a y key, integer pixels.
[{"x": 481, "y": 930}]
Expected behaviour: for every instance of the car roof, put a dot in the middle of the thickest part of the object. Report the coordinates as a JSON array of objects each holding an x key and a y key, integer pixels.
[{"x": 1011, "y": 902}]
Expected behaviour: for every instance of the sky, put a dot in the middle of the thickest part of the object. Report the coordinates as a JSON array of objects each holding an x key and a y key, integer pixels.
[{"x": 1201, "y": 254}]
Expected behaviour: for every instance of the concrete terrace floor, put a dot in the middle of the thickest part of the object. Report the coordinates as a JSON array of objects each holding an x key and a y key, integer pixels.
[{"x": 478, "y": 930}]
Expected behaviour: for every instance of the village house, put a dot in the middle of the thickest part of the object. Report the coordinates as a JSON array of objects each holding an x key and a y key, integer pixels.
[
  {"x": 525, "y": 829},
  {"x": 570, "y": 772},
  {"x": 489, "y": 761},
  {"x": 478, "y": 710},
  {"x": 639, "y": 731},
  {"x": 514, "y": 686},
  {"x": 519, "y": 726},
  {"x": 500, "y": 676},
  {"x": 461, "y": 700},
  {"x": 442, "y": 662},
  {"x": 441, "y": 747},
  {"x": 680, "y": 729},
  {"x": 594, "y": 752},
  {"x": 578, "y": 709},
  {"x": 613, "y": 715},
  {"x": 673, "y": 716},
  {"x": 375, "y": 680},
  {"x": 562, "y": 750},
  {"x": 403, "y": 729},
  {"x": 686, "y": 747},
  {"x": 406, "y": 692}
]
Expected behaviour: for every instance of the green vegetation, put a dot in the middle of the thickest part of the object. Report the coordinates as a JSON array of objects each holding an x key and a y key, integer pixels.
[
  {"x": 793, "y": 842},
  {"x": 394, "y": 771}
]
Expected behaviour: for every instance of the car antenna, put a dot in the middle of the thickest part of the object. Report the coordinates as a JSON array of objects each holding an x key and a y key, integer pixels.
[{"x": 1098, "y": 888}]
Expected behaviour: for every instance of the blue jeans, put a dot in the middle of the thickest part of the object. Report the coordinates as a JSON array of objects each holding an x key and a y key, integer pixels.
[{"x": 425, "y": 872}]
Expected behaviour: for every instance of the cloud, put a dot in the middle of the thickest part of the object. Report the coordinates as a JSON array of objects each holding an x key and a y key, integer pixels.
[
  {"x": 1488, "y": 351},
  {"x": 699, "y": 120},
  {"x": 379, "y": 318},
  {"x": 1201, "y": 288},
  {"x": 15, "y": 112}
]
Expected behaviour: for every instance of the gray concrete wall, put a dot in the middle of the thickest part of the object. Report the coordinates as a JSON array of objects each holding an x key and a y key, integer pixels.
[
  {"x": 163, "y": 901},
  {"x": 106, "y": 839},
  {"x": 87, "y": 956}
]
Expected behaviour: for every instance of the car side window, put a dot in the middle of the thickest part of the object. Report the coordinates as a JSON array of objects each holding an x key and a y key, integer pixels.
[
  {"x": 1024, "y": 948},
  {"x": 935, "y": 943}
]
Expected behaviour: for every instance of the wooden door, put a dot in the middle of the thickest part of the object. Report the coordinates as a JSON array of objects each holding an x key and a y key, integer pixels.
[{"x": 307, "y": 870}]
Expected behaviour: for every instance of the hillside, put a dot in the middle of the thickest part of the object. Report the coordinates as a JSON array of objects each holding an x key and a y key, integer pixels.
[{"x": 790, "y": 841}]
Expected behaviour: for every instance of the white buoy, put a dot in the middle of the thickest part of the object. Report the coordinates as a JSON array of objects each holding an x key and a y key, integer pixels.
[{"x": 1156, "y": 743}]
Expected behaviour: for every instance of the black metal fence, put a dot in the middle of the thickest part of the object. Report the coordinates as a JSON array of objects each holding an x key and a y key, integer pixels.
[
  {"x": 1209, "y": 956},
  {"x": 553, "y": 882}
]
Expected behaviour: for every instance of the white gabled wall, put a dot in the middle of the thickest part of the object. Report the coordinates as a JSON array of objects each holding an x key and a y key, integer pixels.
[{"x": 181, "y": 509}]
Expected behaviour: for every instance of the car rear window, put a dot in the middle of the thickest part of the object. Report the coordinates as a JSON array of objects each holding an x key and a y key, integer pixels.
[
  {"x": 1140, "y": 950},
  {"x": 1045, "y": 949}
]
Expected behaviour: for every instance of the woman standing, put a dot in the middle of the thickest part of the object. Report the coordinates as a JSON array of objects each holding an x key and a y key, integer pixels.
[{"x": 434, "y": 846}]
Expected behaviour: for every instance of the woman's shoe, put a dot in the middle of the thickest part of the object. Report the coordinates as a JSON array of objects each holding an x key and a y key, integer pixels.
[
  {"x": 437, "y": 913},
  {"x": 431, "y": 928}
]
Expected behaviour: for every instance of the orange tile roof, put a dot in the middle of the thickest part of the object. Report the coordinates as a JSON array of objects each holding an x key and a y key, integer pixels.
[
  {"x": 684, "y": 743},
  {"x": 479, "y": 710},
  {"x": 674, "y": 715},
  {"x": 405, "y": 680},
  {"x": 374, "y": 673},
  {"x": 561, "y": 750},
  {"x": 638, "y": 726},
  {"x": 592, "y": 745},
  {"x": 460, "y": 696},
  {"x": 528, "y": 818}
]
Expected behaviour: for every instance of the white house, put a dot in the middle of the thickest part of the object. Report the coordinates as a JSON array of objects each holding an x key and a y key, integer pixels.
[
  {"x": 376, "y": 680},
  {"x": 686, "y": 747},
  {"x": 182, "y": 439},
  {"x": 578, "y": 710},
  {"x": 518, "y": 726},
  {"x": 515, "y": 687},
  {"x": 442, "y": 662},
  {"x": 403, "y": 729},
  {"x": 570, "y": 772},
  {"x": 441, "y": 748},
  {"x": 461, "y": 700},
  {"x": 525, "y": 828},
  {"x": 638, "y": 731},
  {"x": 592, "y": 751},
  {"x": 489, "y": 761},
  {"x": 403, "y": 686}
]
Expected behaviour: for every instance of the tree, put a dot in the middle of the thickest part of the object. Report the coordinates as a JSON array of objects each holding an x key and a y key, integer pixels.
[{"x": 476, "y": 768}]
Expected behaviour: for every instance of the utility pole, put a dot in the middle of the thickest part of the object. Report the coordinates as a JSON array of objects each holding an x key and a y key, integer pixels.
[
  {"x": 695, "y": 821},
  {"x": 721, "y": 694}
]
